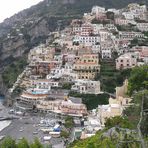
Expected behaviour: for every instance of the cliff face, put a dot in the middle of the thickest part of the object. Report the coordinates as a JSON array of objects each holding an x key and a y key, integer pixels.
[{"x": 21, "y": 38}]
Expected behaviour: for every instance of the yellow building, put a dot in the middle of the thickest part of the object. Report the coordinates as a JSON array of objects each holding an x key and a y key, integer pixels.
[
  {"x": 115, "y": 106},
  {"x": 87, "y": 66}
]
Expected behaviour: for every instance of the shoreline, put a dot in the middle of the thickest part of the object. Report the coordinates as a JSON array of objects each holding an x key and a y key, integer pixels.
[{"x": 4, "y": 124}]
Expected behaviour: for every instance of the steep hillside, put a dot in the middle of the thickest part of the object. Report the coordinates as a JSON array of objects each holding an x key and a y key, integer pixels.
[
  {"x": 28, "y": 28},
  {"x": 39, "y": 20},
  {"x": 60, "y": 7}
]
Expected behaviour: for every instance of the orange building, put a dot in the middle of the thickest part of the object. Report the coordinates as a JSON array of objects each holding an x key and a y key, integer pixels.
[{"x": 87, "y": 66}]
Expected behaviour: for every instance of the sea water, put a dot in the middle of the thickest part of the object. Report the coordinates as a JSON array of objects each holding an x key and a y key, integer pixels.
[{"x": 2, "y": 97}]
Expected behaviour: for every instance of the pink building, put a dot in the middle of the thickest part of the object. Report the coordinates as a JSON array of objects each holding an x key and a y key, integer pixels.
[
  {"x": 142, "y": 53},
  {"x": 125, "y": 61},
  {"x": 86, "y": 29},
  {"x": 120, "y": 21},
  {"x": 68, "y": 107}
]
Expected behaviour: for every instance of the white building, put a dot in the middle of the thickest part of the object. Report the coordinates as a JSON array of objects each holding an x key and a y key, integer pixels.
[
  {"x": 104, "y": 35},
  {"x": 130, "y": 35},
  {"x": 115, "y": 11},
  {"x": 44, "y": 84},
  {"x": 87, "y": 40},
  {"x": 86, "y": 86},
  {"x": 108, "y": 111},
  {"x": 111, "y": 27},
  {"x": 106, "y": 53},
  {"x": 142, "y": 26},
  {"x": 97, "y": 9},
  {"x": 139, "y": 11},
  {"x": 121, "y": 21},
  {"x": 128, "y": 15},
  {"x": 97, "y": 28}
]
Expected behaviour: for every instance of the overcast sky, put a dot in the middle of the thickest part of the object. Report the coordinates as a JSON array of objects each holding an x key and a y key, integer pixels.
[{"x": 10, "y": 7}]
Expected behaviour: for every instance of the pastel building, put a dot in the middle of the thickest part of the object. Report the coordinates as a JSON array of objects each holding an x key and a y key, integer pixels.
[
  {"x": 138, "y": 11},
  {"x": 106, "y": 53},
  {"x": 48, "y": 105},
  {"x": 40, "y": 53},
  {"x": 130, "y": 35},
  {"x": 44, "y": 84},
  {"x": 125, "y": 61},
  {"x": 104, "y": 35},
  {"x": 115, "y": 106},
  {"x": 66, "y": 107},
  {"x": 43, "y": 67},
  {"x": 142, "y": 26},
  {"x": 29, "y": 100},
  {"x": 86, "y": 87},
  {"x": 86, "y": 29},
  {"x": 108, "y": 111},
  {"x": 141, "y": 52},
  {"x": 97, "y": 28},
  {"x": 87, "y": 40},
  {"x": 97, "y": 9},
  {"x": 121, "y": 21},
  {"x": 87, "y": 66},
  {"x": 70, "y": 108}
]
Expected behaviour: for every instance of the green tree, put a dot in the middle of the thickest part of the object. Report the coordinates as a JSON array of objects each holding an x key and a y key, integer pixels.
[
  {"x": 95, "y": 21},
  {"x": 134, "y": 41},
  {"x": 118, "y": 121},
  {"x": 23, "y": 143},
  {"x": 64, "y": 134},
  {"x": 69, "y": 123},
  {"x": 110, "y": 15},
  {"x": 67, "y": 86},
  {"x": 138, "y": 79},
  {"x": 8, "y": 143},
  {"x": 36, "y": 144}
]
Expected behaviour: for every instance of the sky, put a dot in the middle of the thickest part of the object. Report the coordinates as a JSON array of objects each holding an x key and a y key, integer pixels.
[{"x": 10, "y": 7}]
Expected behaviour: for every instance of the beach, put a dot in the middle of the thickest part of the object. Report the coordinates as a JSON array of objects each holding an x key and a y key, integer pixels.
[{"x": 4, "y": 124}]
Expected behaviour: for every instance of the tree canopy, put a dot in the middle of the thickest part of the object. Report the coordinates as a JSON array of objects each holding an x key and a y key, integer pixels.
[
  {"x": 138, "y": 79},
  {"x": 8, "y": 142},
  {"x": 118, "y": 121}
]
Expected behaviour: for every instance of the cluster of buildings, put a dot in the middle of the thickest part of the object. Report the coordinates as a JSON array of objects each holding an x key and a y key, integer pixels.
[
  {"x": 74, "y": 60},
  {"x": 109, "y": 31},
  {"x": 116, "y": 105}
]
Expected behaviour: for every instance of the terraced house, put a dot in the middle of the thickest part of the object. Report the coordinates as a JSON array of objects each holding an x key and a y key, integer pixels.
[{"x": 87, "y": 66}]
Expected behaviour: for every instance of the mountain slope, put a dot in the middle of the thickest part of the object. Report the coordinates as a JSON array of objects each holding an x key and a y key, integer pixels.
[
  {"x": 23, "y": 31},
  {"x": 60, "y": 7}
]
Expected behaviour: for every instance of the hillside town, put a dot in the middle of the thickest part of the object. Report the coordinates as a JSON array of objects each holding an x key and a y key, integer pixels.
[{"x": 72, "y": 63}]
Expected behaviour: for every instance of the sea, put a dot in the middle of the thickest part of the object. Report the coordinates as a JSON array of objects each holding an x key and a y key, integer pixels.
[{"x": 2, "y": 97}]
